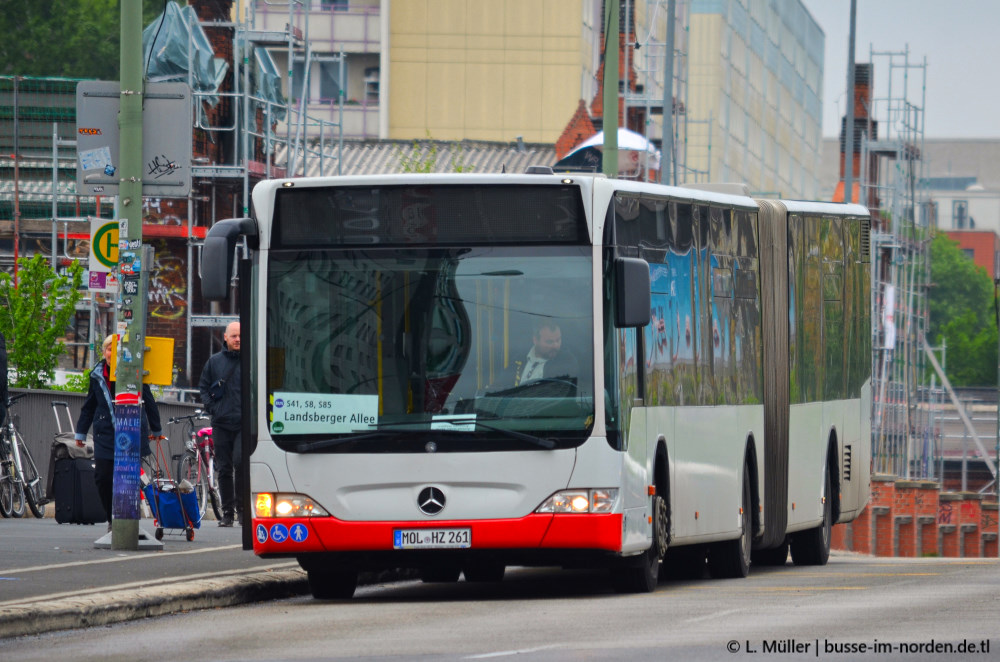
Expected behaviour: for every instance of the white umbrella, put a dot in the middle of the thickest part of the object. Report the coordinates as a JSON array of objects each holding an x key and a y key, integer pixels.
[{"x": 627, "y": 141}]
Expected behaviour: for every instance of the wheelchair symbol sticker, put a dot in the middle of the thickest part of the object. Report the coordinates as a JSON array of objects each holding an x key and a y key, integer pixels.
[
  {"x": 261, "y": 534},
  {"x": 298, "y": 532},
  {"x": 279, "y": 533}
]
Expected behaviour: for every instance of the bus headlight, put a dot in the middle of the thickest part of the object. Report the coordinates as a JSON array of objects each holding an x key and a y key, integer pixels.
[
  {"x": 581, "y": 501},
  {"x": 267, "y": 504}
]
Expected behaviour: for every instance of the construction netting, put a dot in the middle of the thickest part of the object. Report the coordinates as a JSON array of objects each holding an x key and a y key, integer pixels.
[
  {"x": 38, "y": 123},
  {"x": 176, "y": 49}
]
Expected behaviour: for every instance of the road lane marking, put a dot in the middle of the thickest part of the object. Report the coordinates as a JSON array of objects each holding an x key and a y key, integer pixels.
[
  {"x": 521, "y": 651},
  {"x": 144, "y": 584},
  {"x": 715, "y": 615},
  {"x": 869, "y": 574},
  {"x": 813, "y": 588},
  {"x": 15, "y": 571}
]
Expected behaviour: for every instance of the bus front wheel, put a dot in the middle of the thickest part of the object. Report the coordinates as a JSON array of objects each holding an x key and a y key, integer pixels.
[
  {"x": 332, "y": 584},
  {"x": 642, "y": 574}
]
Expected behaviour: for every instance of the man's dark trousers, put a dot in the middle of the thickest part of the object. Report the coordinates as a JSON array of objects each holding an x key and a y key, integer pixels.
[{"x": 228, "y": 453}]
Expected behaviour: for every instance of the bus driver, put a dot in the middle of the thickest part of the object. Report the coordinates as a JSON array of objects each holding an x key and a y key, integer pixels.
[{"x": 545, "y": 360}]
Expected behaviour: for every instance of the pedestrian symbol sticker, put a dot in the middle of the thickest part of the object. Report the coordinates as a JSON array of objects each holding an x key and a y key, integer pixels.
[
  {"x": 298, "y": 532},
  {"x": 279, "y": 533},
  {"x": 261, "y": 534}
]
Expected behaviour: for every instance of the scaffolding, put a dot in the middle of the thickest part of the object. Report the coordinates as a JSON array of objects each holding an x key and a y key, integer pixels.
[
  {"x": 905, "y": 442},
  {"x": 242, "y": 134},
  {"x": 649, "y": 66}
]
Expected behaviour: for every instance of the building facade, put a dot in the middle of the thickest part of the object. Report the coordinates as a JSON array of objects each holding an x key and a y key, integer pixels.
[
  {"x": 755, "y": 94},
  {"x": 746, "y": 90},
  {"x": 446, "y": 69}
]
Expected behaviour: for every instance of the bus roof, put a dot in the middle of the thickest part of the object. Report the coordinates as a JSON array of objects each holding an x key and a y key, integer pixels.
[{"x": 838, "y": 208}]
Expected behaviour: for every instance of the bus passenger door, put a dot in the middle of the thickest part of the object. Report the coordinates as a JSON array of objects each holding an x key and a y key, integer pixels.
[{"x": 632, "y": 416}]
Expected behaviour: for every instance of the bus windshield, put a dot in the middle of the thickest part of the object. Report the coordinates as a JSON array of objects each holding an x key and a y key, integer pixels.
[{"x": 466, "y": 348}]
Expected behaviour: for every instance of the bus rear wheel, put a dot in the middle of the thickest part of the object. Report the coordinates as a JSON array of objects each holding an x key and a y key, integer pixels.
[
  {"x": 770, "y": 557},
  {"x": 731, "y": 558},
  {"x": 332, "y": 584},
  {"x": 812, "y": 547}
]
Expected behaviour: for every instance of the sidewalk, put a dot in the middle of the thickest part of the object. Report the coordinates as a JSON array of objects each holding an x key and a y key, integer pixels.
[{"x": 52, "y": 577}]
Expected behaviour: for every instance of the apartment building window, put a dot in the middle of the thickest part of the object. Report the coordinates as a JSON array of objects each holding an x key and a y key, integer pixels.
[
  {"x": 329, "y": 87},
  {"x": 928, "y": 214},
  {"x": 960, "y": 214},
  {"x": 335, "y": 5},
  {"x": 326, "y": 73}
]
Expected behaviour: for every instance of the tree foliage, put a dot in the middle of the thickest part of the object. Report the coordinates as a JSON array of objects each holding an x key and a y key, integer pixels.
[
  {"x": 35, "y": 316},
  {"x": 419, "y": 160},
  {"x": 67, "y": 38},
  {"x": 962, "y": 314}
]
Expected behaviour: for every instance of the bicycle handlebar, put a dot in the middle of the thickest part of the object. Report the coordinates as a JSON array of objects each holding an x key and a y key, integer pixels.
[
  {"x": 198, "y": 415},
  {"x": 11, "y": 399}
]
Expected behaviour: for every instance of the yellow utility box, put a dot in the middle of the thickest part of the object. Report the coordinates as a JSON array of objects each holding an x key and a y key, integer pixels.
[{"x": 157, "y": 360}]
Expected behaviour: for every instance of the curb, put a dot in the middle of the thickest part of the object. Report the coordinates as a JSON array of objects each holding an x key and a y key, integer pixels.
[{"x": 120, "y": 606}]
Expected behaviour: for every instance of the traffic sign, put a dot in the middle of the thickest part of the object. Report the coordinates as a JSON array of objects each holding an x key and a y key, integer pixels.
[
  {"x": 167, "y": 113},
  {"x": 103, "y": 244}
]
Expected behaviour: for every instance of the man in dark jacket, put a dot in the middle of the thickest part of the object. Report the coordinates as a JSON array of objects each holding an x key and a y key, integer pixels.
[
  {"x": 220, "y": 393},
  {"x": 99, "y": 409}
]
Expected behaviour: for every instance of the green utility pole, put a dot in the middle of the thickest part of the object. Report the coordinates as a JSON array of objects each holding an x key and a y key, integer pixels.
[
  {"x": 131, "y": 293},
  {"x": 611, "y": 45}
]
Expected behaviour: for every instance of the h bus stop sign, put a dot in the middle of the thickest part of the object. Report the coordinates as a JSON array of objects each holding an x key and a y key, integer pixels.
[{"x": 167, "y": 119}]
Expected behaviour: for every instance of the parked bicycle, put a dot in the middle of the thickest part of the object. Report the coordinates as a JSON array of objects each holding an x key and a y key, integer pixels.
[
  {"x": 20, "y": 484},
  {"x": 196, "y": 464}
]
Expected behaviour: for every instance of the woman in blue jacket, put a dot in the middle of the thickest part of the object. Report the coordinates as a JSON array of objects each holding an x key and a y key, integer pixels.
[{"x": 98, "y": 409}]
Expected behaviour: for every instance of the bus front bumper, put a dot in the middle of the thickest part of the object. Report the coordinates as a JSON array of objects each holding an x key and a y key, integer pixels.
[{"x": 294, "y": 536}]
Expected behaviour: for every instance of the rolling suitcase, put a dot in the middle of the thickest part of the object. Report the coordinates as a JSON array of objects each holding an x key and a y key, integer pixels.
[
  {"x": 71, "y": 476},
  {"x": 77, "y": 500}
]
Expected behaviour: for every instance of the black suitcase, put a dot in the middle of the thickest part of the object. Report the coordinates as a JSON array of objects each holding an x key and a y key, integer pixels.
[{"x": 77, "y": 500}]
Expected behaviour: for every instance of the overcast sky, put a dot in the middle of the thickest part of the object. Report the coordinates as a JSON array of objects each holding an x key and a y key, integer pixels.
[{"x": 960, "y": 40}]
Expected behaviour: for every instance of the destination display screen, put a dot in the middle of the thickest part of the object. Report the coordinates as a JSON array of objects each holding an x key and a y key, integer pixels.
[{"x": 333, "y": 216}]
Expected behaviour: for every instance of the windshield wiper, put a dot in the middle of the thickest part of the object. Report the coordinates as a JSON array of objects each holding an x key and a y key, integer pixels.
[
  {"x": 308, "y": 447},
  {"x": 547, "y": 444}
]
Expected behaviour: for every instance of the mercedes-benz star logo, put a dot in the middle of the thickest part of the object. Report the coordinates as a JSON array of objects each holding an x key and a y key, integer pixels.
[{"x": 430, "y": 500}]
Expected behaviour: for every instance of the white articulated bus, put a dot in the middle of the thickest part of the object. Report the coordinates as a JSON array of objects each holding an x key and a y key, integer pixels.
[{"x": 704, "y": 400}]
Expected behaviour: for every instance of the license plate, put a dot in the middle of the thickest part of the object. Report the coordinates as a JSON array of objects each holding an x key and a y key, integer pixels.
[{"x": 431, "y": 538}]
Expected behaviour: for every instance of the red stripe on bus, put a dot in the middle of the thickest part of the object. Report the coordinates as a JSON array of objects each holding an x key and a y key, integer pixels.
[{"x": 327, "y": 534}]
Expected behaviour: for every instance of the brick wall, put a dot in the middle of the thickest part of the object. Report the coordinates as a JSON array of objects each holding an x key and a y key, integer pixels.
[
  {"x": 881, "y": 504},
  {"x": 914, "y": 518},
  {"x": 970, "y": 512},
  {"x": 949, "y": 512},
  {"x": 988, "y": 528},
  {"x": 926, "y": 510}
]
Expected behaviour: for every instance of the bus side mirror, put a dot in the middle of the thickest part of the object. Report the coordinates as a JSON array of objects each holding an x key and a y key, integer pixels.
[
  {"x": 632, "y": 297},
  {"x": 217, "y": 256}
]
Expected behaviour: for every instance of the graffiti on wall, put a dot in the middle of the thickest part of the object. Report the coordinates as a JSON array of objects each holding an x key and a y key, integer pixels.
[{"x": 167, "y": 284}]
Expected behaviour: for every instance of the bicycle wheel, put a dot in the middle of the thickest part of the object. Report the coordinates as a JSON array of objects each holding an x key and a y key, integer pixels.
[
  {"x": 17, "y": 498},
  {"x": 215, "y": 498},
  {"x": 32, "y": 481},
  {"x": 6, "y": 479},
  {"x": 189, "y": 470},
  {"x": 6, "y": 492},
  {"x": 214, "y": 495}
]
